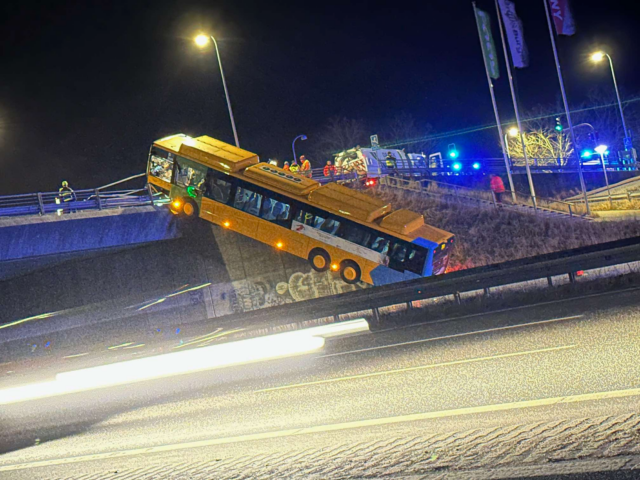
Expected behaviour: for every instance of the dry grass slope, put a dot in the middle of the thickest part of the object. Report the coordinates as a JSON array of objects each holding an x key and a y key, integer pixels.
[{"x": 489, "y": 235}]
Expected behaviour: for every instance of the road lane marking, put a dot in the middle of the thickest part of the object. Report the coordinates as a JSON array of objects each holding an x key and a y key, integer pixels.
[
  {"x": 76, "y": 355},
  {"x": 420, "y": 367},
  {"x": 115, "y": 347},
  {"x": 374, "y": 422},
  {"x": 456, "y": 335}
]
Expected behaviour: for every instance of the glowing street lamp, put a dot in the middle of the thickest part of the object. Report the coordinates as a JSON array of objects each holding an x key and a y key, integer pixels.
[
  {"x": 202, "y": 41},
  {"x": 598, "y": 57},
  {"x": 512, "y": 132}
]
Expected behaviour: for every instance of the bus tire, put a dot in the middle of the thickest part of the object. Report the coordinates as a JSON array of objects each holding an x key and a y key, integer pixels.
[
  {"x": 190, "y": 209},
  {"x": 319, "y": 259},
  {"x": 350, "y": 272}
]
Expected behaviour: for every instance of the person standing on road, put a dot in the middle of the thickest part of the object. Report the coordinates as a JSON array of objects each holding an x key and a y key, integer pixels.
[
  {"x": 497, "y": 187},
  {"x": 390, "y": 162},
  {"x": 305, "y": 166},
  {"x": 329, "y": 169},
  {"x": 65, "y": 195}
]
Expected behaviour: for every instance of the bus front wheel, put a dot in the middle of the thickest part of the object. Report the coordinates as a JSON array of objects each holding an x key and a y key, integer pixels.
[
  {"x": 190, "y": 209},
  {"x": 319, "y": 260},
  {"x": 350, "y": 271}
]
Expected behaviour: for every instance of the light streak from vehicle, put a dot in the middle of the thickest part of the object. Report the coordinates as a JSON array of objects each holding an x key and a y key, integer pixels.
[{"x": 242, "y": 352}]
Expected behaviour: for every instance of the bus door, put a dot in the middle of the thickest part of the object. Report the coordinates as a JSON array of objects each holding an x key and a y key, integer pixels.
[{"x": 189, "y": 180}]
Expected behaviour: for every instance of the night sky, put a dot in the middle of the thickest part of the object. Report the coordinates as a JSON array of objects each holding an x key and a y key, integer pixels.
[{"x": 86, "y": 86}]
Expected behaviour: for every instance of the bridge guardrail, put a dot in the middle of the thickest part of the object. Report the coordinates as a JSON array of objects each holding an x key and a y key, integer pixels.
[
  {"x": 43, "y": 203},
  {"x": 442, "y": 189},
  {"x": 539, "y": 267}
]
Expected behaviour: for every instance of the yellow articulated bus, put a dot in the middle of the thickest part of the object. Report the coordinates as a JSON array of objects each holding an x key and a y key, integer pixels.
[{"x": 336, "y": 228}]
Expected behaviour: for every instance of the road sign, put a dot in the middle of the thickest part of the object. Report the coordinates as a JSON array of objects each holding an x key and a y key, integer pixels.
[{"x": 374, "y": 142}]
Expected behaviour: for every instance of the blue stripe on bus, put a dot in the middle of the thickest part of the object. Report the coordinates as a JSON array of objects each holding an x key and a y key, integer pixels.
[{"x": 382, "y": 275}]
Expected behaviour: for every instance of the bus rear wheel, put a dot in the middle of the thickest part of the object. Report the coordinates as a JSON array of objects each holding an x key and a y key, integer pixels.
[
  {"x": 319, "y": 260},
  {"x": 350, "y": 272}
]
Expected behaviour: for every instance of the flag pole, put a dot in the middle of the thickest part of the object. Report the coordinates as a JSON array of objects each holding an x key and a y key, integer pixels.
[
  {"x": 515, "y": 107},
  {"x": 495, "y": 111},
  {"x": 566, "y": 109}
]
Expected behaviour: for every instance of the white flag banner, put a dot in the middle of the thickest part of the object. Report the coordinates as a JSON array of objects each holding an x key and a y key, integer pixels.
[{"x": 515, "y": 35}]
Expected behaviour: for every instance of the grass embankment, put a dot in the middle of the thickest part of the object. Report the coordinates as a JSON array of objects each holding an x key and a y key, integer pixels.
[{"x": 490, "y": 235}]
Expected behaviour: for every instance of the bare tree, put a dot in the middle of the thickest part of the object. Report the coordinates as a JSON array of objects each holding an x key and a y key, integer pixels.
[
  {"x": 544, "y": 147},
  {"x": 403, "y": 132},
  {"x": 340, "y": 134}
]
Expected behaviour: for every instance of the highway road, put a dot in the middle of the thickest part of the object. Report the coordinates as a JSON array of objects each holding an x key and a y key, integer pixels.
[{"x": 546, "y": 389}]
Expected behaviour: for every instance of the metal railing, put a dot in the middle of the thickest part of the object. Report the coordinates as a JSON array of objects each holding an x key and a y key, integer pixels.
[
  {"x": 43, "y": 203},
  {"x": 369, "y": 301},
  {"x": 431, "y": 187}
]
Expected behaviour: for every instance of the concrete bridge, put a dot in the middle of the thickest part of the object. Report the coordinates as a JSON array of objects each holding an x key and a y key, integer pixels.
[{"x": 140, "y": 263}]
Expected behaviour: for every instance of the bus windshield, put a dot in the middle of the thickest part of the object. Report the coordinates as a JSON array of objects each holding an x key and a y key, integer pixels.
[{"x": 161, "y": 164}]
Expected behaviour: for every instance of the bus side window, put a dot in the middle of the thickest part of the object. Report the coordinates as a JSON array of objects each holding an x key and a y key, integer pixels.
[
  {"x": 305, "y": 217},
  {"x": 217, "y": 189},
  {"x": 248, "y": 201},
  {"x": 330, "y": 226},
  {"x": 380, "y": 245},
  {"x": 276, "y": 211},
  {"x": 415, "y": 260},
  {"x": 399, "y": 252},
  {"x": 355, "y": 234}
]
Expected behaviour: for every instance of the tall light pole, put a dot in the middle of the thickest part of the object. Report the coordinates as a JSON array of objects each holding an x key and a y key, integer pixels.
[
  {"x": 202, "y": 41},
  {"x": 293, "y": 145},
  {"x": 598, "y": 57},
  {"x": 601, "y": 150}
]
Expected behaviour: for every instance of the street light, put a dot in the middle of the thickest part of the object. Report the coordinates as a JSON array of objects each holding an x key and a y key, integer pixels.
[
  {"x": 293, "y": 144},
  {"x": 601, "y": 150},
  {"x": 598, "y": 57},
  {"x": 202, "y": 41},
  {"x": 512, "y": 132}
]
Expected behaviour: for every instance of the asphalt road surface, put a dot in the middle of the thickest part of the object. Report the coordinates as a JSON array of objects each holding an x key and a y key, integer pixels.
[{"x": 549, "y": 389}]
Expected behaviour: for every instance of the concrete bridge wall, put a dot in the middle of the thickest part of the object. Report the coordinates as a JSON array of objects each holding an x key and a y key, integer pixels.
[{"x": 146, "y": 265}]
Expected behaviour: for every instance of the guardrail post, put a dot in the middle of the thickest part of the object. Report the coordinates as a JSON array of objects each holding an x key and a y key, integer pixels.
[
  {"x": 98, "y": 199},
  {"x": 487, "y": 291},
  {"x": 550, "y": 281},
  {"x": 40, "y": 204},
  {"x": 457, "y": 298},
  {"x": 150, "y": 194},
  {"x": 572, "y": 277},
  {"x": 410, "y": 305},
  {"x": 375, "y": 313}
]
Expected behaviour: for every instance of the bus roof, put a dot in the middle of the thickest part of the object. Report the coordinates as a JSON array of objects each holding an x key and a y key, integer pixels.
[
  {"x": 210, "y": 152},
  {"x": 279, "y": 178},
  {"x": 348, "y": 202}
]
